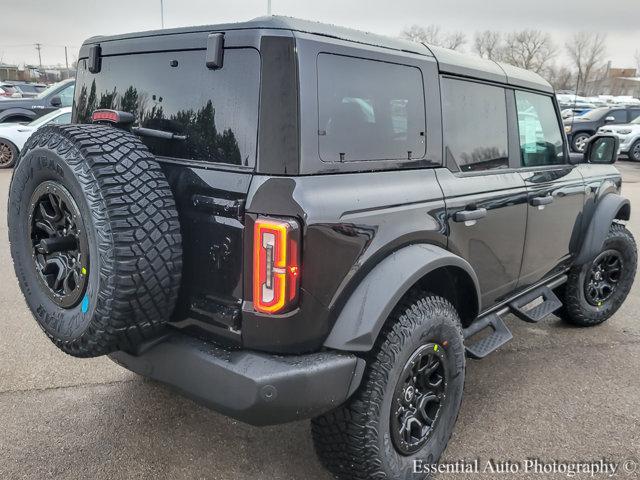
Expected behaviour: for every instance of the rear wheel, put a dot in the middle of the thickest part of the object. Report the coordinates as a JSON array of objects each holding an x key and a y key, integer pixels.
[
  {"x": 596, "y": 290},
  {"x": 408, "y": 402},
  {"x": 579, "y": 142},
  {"x": 95, "y": 238},
  {"x": 8, "y": 153}
]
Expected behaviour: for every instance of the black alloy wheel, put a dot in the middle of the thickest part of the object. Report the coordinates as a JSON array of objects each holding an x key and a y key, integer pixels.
[
  {"x": 603, "y": 277},
  {"x": 59, "y": 244},
  {"x": 418, "y": 399}
]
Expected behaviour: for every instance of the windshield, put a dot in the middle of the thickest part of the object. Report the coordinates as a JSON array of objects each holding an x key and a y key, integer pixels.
[
  {"x": 44, "y": 119},
  {"x": 636, "y": 121},
  {"x": 595, "y": 114},
  {"x": 48, "y": 90}
]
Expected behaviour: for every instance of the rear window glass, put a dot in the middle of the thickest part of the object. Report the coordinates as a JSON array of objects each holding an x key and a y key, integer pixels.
[
  {"x": 217, "y": 110},
  {"x": 474, "y": 117},
  {"x": 369, "y": 110}
]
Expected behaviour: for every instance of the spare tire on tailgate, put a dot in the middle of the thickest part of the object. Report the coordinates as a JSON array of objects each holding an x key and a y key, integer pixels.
[{"x": 95, "y": 238}]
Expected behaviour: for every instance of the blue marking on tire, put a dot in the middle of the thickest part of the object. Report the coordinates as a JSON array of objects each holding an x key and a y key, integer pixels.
[{"x": 85, "y": 304}]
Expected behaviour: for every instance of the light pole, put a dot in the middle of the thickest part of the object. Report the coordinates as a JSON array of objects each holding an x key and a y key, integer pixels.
[
  {"x": 162, "y": 13},
  {"x": 269, "y": 7}
]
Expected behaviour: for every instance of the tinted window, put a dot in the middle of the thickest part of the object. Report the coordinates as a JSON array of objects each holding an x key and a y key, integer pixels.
[
  {"x": 217, "y": 110},
  {"x": 369, "y": 110},
  {"x": 540, "y": 136},
  {"x": 620, "y": 116},
  {"x": 66, "y": 96},
  {"x": 475, "y": 125}
]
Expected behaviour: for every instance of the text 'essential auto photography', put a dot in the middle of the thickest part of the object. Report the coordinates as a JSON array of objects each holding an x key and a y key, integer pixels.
[{"x": 290, "y": 240}]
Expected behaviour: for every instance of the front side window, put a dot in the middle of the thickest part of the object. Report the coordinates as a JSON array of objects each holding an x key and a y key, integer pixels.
[
  {"x": 66, "y": 96},
  {"x": 619, "y": 116},
  {"x": 474, "y": 118},
  {"x": 369, "y": 110},
  {"x": 540, "y": 136}
]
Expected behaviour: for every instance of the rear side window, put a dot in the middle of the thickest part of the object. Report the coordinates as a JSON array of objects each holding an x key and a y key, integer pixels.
[
  {"x": 540, "y": 136},
  {"x": 474, "y": 117},
  {"x": 216, "y": 110},
  {"x": 369, "y": 110}
]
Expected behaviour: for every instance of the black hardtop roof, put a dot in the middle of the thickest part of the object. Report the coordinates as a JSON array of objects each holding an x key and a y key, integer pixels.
[{"x": 448, "y": 60}]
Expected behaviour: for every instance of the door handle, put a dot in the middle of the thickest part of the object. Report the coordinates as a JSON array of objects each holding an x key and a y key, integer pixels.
[
  {"x": 539, "y": 201},
  {"x": 469, "y": 215}
]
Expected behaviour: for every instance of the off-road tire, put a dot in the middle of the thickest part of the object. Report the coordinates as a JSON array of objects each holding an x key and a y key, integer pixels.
[
  {"x": 576, "y": 310},
  {"x": 132, "y": 232},
  {"x": 354, "y": 440}
]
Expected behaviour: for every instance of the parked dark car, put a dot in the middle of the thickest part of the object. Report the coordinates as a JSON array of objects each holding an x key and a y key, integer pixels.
[
  {"x": 580, "y": 128},
  {"x": 28, "y": 109},
  {"x": 288, "y": 220},
  {"x": 30, "y": 90}
]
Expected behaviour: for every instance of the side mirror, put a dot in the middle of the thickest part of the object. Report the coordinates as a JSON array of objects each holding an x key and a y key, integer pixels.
[
  {"x": 609, "y": 119},
  {"x": 56, "y": 101},
  {"x": 602, "y": 149}
]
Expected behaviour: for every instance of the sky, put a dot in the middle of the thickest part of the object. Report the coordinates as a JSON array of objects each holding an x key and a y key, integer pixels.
[{"x": 56, "y": 23}]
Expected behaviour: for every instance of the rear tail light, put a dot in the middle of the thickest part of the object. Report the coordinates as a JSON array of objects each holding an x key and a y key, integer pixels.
[{"x": 276, "y": 268}]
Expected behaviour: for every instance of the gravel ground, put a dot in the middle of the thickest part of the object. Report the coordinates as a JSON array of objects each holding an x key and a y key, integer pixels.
[{"x": 553, "y": 393}]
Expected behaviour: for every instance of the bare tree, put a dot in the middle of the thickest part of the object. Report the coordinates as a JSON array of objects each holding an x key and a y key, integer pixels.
[
  {"x": 586, "y": 50},
  {"x": 529, "y": 49},
  {"x": 488, "y": 44},
  {"x": 433, "y": 35},
  {"x": 454, "y": 40},
  {"x": 561, "y": 77}
]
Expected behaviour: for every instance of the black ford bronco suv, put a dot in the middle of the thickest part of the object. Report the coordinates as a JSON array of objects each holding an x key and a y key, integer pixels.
[{"x": 287, "y": 220}]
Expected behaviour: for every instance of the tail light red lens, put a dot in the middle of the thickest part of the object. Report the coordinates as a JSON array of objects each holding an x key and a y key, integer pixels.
[{"x": 276, "y": 269}]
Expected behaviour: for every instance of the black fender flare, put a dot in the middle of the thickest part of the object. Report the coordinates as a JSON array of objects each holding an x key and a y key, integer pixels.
[
  {"x": 610, "y": 207},
  {"x": 17, "y": 112},
  {"x": 366, "y": 311}
]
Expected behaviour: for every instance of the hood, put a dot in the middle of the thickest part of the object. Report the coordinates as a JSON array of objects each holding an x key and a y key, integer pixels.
[
  {"x": 617, "y": 128},
  {"x": 569, "y": 121}
]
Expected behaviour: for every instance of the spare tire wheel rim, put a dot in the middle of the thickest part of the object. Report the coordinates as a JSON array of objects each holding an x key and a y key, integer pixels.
[
  {"x": 6, "y": 154},
  {"x": 59, "y": 244},
  {"x": 419, "y": 398}
]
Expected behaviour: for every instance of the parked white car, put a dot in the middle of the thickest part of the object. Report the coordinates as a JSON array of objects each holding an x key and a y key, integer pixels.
[
  {"x": 629, "y": 135},
  {"x": 13, "y": 136}
]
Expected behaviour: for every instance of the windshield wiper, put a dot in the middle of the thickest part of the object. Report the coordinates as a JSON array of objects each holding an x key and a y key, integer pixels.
[{"x": 150, "y": 132}]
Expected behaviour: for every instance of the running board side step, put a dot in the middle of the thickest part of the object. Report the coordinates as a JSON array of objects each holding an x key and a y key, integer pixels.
[
  {"x": 499, "y": 336},
  {"x": 546, "y": 303},
  {"x": 549, "y": 304}
]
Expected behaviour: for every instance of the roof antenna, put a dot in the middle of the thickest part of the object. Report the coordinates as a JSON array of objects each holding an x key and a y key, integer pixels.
[{"x": 573, "y": 108}]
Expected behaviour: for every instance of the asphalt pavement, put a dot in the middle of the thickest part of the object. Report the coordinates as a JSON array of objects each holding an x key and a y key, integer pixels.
[{"x": 553, "y": 393}]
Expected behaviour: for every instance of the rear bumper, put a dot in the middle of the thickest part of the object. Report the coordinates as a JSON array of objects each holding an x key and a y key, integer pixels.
[{"x": 255, "y": 388}]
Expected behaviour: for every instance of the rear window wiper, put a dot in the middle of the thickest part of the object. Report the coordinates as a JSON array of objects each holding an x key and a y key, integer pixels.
[{"x": 150, "y": 132}]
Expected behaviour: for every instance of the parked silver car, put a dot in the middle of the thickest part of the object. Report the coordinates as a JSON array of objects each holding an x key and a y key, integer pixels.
[{"x": 629, "y": 135}]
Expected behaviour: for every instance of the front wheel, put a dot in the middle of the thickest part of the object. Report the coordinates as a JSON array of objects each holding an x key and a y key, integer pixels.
[
  {"x": 596, "y": 290},
  {"x": 8, "y": 153},
  {"x": 407, "y": 405},
  {"x": 579, "y": 142},
  {"x": 634, "y": 151}
]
